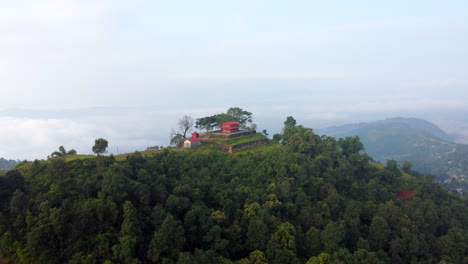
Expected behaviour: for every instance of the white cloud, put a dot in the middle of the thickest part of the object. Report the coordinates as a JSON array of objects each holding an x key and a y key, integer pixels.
[
  {"x": 27, "y": 138},
  {"x": 279, "y": 76},
  {"x": 126, "y": 129},
  {"x": 433, "y": 84},
  {"x": 240, "y": 20}
]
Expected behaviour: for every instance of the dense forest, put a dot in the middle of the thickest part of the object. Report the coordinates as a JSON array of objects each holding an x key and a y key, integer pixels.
[
  {"x": 418, "y": 141},
  {"x": 305, "y": 199}
]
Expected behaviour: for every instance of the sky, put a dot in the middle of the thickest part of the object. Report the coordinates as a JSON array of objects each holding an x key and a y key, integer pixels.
[{"x": 72, "y": 71}]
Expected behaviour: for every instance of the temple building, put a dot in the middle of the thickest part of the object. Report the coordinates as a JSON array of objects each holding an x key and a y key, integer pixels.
[
  {"x": 230, "y": 127},
  {"x": 194, "y": 141}
]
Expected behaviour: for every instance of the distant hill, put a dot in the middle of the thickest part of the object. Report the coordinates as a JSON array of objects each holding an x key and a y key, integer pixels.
[
  {"x": 418, "y": 141},
  {"x": 457, "y": 130},
  {"x": 6, "y": 165}
]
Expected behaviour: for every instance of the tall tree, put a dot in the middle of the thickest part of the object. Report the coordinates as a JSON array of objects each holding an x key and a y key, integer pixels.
[
  {"x": 281, "y": 247},
  {"x": 242, "y": 116},
  {"x": 290, "y": 121},
  {"x": 100, "y": 146},
  {"x": 185, "y": 124},
  {"x": 232, "y": 114},
  {"x": 129, "y": 235},
  {"x": 207, "y": 123},
  {"x": 378, "y": 233},
  {"x": 167, "y": 241}
]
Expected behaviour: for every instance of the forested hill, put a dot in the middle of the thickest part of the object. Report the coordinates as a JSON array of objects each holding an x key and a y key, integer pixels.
[
  {"x": 418, "y": 141},
  {"x": 7, "y": 164},
  {"x": 416, "y": 124},
  {"x": 306, "y": 199}
]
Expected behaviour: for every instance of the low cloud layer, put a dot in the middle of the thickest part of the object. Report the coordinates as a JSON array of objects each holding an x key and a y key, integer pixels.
[{"x": 34, "y": 134}]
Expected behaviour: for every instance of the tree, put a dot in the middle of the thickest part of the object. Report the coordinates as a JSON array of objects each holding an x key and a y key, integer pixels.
[
  {"x": 63, "y": 152},
  {"x": 257, "y": 234},
  {"x": 281, "y": 247},
  {"x": 237, "y": 114},
  {"x": 407, "y": 166},
  {"x": 350, "y": 145},
  {"x": 100, "y": 146},
  {"x": 332, "y": 236},
  {"x": 207, "y": 123},
  {"x": 167, "y": 241},
  {"x": 378, "y": 233},
  {"x": 129, "y": 235},
  {"x": 323, "y": 258},
  {"x": 242, "y": 116},
  {"x": 290, "y": 121},
  {"x": 176, "y": 138},
  {"x": 252, "y": 128},
  {"x": 185, "y": 124},
  {"x": 257, "y": 257}
]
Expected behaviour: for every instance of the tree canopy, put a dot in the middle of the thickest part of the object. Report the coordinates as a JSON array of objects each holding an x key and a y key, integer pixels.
[
  {"x": 63, "y": 152},
  {"x": 237, "y": 114},
  {"x": 305, "y": 199},
  {"x": 100, "y": 146}
]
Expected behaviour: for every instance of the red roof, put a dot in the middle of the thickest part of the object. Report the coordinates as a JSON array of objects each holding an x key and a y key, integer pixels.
[
  {"x": 230, "y": 123},
  {"x": 405, "y": 195},
  {"x": 194, "y": 139}
]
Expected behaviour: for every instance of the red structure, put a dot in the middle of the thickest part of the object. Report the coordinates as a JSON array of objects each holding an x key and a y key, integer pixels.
[
  {"x": 230, "y": 127},
  {"x": 406, "y": 195},
  {"x": 195, "y": 137}
]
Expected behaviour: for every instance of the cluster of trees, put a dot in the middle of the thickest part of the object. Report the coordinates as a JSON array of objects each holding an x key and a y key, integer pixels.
[
  {"x": 62, "y": 152},
  {"x": 308, "y": 199},
  {"x": 100, "y": 147},
  {"x": 210, "y": 123}
]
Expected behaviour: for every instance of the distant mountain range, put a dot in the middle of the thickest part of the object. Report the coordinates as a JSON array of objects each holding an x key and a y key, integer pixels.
[
  {"x": 418, "y": 141},
  {"x": 6, "y": 165}
]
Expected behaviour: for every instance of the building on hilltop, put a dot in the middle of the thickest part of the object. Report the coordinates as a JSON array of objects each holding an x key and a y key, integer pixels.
[
  {"x": 194, "y": 141},
  {"x": 230, "y": 130},
  {"x": 230, "y": 127}
]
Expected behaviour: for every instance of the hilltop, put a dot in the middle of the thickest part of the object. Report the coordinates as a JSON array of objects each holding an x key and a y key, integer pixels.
[{"x": 418, "y": 141}]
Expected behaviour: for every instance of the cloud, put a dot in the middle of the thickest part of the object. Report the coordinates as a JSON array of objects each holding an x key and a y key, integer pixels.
[
  {"x": 126, "y": 129},
  {"x": 240, "y": 20},
  {"x": 280, "y": 76},
  {"x": 434, "y": 84},
  {"x": 26, "y": 138}
]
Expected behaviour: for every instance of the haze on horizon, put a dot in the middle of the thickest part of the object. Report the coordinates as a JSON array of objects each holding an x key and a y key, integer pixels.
[{"x": 75, "y": 70}]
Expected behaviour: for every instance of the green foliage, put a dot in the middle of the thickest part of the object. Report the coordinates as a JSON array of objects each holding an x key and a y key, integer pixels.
[
  {"x": 100, "y": 146},
  {"x": 417, "y": 142},
  {"x": 309, "y": 199},
  {"x": 237, "y": 114},
  {"x": 242, "y": 116},
  {"x": 62, "y": 152},
  {"x": 239, "y": 140}
]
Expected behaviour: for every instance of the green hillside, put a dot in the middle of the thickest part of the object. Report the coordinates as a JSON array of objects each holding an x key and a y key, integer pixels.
[
  {"x": 307, "y": 199},
  {"x": 413, "y": 140}
]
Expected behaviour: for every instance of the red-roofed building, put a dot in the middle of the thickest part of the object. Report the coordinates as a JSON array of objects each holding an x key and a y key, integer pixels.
[
  {"x": 406, "y": 195},
  {"x": 230, "y": 127},
  {"x": 194, "y": 141}
]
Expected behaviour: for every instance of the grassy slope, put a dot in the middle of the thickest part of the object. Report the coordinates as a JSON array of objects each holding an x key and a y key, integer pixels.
[{"x": 238, "y": 140}]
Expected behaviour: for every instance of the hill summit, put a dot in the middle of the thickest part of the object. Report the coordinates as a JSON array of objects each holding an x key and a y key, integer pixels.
[{"x": 418, "y": 141}]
